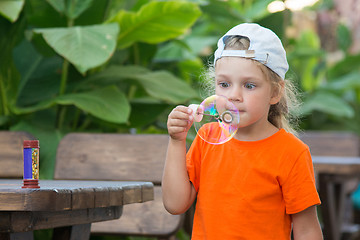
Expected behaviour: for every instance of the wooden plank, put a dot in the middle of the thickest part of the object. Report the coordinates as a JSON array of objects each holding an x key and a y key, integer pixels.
[
  {"x": 102, "y": 198},
  {"x": 332, "y": 143},
  {"x": 147, "y": 192},
  {"x": 34, "y": 199},
  {"x": 349, "y": 166},
  {"x": 29, "y": 221},
  {"x": 11, "y": 200},
  {"x": 133, "y": 194},
  {"x": 111, "y": 157},
  {"x": 83, "y": 198},
  {"x": 11, "y": 153},
  {"x": 65, "y": 195},
  {"x": 117, "y": 198}
]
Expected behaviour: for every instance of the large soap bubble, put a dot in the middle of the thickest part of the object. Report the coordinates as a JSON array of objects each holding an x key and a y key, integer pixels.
[{"x": 216, "y": 119}]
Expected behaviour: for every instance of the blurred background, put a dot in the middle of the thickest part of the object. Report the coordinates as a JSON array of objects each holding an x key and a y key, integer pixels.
[{"x": 122, "y": 65}]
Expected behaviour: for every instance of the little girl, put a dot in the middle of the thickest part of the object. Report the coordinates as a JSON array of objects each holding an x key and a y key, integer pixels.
[{"x": 260, "y": 184}]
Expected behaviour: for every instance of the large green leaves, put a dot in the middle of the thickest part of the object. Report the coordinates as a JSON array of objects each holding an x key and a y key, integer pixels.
[
  {"x": 344, "y": 37},
  {"x": 305, "y": 60},
  {"x": 107, "y": 103},
  {"x": 155, "y": 22},
  {"x": 327, "y": 102},
  {"x": 186, "y": 49},
  {"x": 350, "y": 81},
  {"x": 161, "y": 85},
  {"x": 85, "y": 47},
  {"x": 166, "y": 86},
  {"x": 11, "y": 9}
]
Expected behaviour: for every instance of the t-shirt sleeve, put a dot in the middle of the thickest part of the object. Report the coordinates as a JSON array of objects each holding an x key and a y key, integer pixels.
[
  {"x": 299, "y": 189},
  {"x": 193, "y": 158}
]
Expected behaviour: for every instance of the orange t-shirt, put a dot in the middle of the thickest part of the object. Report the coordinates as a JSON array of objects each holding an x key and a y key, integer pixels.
[{"x": 247, "y": 190}]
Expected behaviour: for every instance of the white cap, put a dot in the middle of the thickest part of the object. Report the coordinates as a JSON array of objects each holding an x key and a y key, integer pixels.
[{"x": 265, "y": 47}]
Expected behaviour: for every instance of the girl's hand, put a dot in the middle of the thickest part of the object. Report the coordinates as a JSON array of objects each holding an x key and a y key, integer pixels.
[{"x": 179, "y": 122}]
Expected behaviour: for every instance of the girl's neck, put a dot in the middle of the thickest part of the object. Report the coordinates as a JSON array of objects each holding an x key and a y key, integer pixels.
[{"x": 255, "y": 133}]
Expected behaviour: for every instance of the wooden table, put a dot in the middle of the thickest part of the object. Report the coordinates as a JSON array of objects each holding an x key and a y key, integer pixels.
[
  {"x": 333, "y": 174},
  {"x": 67, "y": 206}
]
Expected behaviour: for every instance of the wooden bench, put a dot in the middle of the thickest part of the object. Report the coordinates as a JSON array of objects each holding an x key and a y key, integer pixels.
[
  {"x": 332, "y": 143},
  {"x": 334, "y": 186},
  {"x": 90, "y": 156},
  {"x": 11, "y": 153}
]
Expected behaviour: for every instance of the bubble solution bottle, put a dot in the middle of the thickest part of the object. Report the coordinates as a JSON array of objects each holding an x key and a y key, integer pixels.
[{"x": 31, "y": 164}]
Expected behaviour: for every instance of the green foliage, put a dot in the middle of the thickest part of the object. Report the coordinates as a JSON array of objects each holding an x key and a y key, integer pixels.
[
  {"x": 73, "y": 43},
  {"x": 11, "y": 9},
  {"x": 61, "y": 71},
  {"x": 344, "y": 37},
  {"x": 327, "y": 102},
  {"x": 331, "y": 91},
  {"x": 154, "y": 83},
  {"x": 155, "y": 22}
]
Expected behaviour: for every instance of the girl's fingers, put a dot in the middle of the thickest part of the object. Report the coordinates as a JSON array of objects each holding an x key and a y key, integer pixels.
[
  {"x": 179, "y": 122},
  {"x": 182, "y": 113}
]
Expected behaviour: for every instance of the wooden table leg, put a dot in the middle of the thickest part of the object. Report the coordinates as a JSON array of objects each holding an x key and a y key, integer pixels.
[
  {"x": 17, "y": 236},
  {"x": 328, "y": 210},
  {"x": 76, "y": 232},
  {"x": 332, "y": 194}
]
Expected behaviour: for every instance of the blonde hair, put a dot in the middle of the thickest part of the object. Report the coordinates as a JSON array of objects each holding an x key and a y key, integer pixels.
[{"x": 280, "y": 114}]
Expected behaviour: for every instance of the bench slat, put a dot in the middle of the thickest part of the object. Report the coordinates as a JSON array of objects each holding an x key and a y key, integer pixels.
[{"x": 111, "y": 157}]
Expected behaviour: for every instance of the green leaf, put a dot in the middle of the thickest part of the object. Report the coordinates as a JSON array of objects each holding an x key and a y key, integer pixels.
[
  {"x": 309, "y": 39},
  {"x": 348, "y": 64},
  {"x": 343, "y": 37},
  {"x": 107, "y": 103},
  {"x": 113, "y": 75},
  {"x": 327, "y": 103},
  {"x": 85, "y": 47},
  {"x": 26, "y": 60},
  {"x": 145, "y": 112},
  {"x": 11, "y": 9},
  {"x": 187, "y": 49},
  {"x": 156, "y": 22},
  {"x": 347, "y": 82},
  {"x": 38, "y": 10},
  {"x": 34, "y": 108},
  {"x": 306, "y": 59},
  {"x": 72, "y": 9},
  {"x": 159, "y": 84},
  {"x": 257, "y": 10},
  {"x": 58, "y": 5},
  {"x": 165, "y": 86}
]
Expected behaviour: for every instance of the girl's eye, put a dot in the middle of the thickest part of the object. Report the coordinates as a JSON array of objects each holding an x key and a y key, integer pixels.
[
  {"x": 224, "y": 84},
  {"x": 249, "y": 85}
]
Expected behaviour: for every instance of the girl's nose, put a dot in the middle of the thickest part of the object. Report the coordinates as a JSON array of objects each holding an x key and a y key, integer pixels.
[{"x": 236, "y": 95}]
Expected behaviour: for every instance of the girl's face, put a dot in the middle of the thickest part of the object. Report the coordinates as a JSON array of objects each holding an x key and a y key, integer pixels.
[{"x": 244, "y": 84}]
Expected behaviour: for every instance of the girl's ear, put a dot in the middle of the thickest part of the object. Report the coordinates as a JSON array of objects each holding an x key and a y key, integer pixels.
[{"x": 278, "y": 92}]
